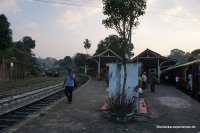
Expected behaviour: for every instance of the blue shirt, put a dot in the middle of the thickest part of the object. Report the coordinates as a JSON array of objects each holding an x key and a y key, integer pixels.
[{"x": 70, "y": 80}]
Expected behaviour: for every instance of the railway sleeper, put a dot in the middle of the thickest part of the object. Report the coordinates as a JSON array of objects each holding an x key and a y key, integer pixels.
[
  {"x": 8, "y": 120},
  {"x": 32, "y": 109},
  {"x": 2, "y": 126},
  {"x": 17, "y": 116},
  {"x": 23, "y": 112},
  {"x": 35, "y": 107}
]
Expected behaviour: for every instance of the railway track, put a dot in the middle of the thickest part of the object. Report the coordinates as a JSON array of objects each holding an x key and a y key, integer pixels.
[
  {"x": 18, "y": 87},
  {"x": 16, "y": 113}
]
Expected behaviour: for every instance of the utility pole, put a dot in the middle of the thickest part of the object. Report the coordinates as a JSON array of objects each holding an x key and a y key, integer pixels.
[{"x": 11, "y": 68}]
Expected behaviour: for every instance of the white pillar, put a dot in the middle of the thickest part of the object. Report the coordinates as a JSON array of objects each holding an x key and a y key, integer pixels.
[{"x": 86, "y": 70}]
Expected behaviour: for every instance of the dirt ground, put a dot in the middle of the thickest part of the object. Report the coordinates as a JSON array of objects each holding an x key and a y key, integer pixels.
[{"x": 170, "y": 110}]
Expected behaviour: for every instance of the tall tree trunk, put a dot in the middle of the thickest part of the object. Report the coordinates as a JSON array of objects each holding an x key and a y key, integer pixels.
[
  {"x": 124, "y": 84},
  {"x": 125, "y": 75}
]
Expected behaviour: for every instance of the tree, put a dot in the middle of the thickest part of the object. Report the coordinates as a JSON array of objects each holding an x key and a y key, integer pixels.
[
  {"x": 112, "y": 42},
  {"x": 101, "y": 47},
  {"x": 47, "y": 62},
  {"x": 180, "y": 55},
  {"x": 176, "y": 52},
  {"x": 80, "y": 59},
  {"x": 5, "y": 33},
  {"x": 123, "y": 17},
  {"x": 65, "y": 63},
  {"x": 24, "y": 48},
  {"x": 196, "y": 52},
  {"x": 87, "y": 44},
  {"x": 26, "y": 44}
]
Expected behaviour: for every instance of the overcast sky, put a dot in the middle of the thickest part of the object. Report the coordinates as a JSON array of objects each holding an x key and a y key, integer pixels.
[{"x": 60, "y": 29}]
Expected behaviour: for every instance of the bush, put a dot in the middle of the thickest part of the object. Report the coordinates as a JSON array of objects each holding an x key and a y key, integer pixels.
[
  {"x": 35, "y": 71},
  {"x": 119, "y": 105}
]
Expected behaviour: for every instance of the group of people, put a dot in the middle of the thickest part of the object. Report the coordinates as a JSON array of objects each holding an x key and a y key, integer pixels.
[
  {"x": 177, "y": 80},
  {"x": 145, "y": 80}
]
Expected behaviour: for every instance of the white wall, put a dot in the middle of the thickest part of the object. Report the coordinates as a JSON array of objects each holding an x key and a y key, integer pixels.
[{"x": 116, "y": 77}]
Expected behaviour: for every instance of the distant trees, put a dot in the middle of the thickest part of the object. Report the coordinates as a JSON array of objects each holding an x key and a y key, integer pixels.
[
  {"x": 65, "y": 63},
  {"x": 112, "y": 42},
  {"x": 49, "y": 63},
  {"x": 179, "y": 55},
  {"x": 196, "y": 52},
  {"x": 183, "y": 57},
  {"x": 46, "y": 62},
  {"x": 87, "y": 45},
  {"x": 80, "y": 59}
]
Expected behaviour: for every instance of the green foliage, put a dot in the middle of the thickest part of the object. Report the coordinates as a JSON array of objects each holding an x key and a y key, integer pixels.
[
  {"x": 191, "y": 58},
  {"x": 112, "y": 42},
  {"x": 118, "y": 105},
  {"x": 26, "y": 44},
  {"x": 123, "y": 17},
  {"x": 35, "y": 71},
  {"x": 22, "y": 51},
  {"x": 101, "y": 47},
  {"x": 196, "y": 52},
  {"x": 179, "y": 55},
  {"x": 184, "y": 57},
  {"x": 87, "y": 44},
  {"x": 5, "y": 33},
  {"x": 177, "y": 52},
  {"x": 80, "y": 59},
  {"x": 65, "y": 63},
  {"x": 48, "y": 62}
]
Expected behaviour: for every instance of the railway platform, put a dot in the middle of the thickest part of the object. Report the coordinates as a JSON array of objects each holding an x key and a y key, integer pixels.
[{"x": 170, "y": 110}]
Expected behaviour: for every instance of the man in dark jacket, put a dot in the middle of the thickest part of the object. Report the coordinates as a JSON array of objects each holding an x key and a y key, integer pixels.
[{"x": 153, "y": 82}]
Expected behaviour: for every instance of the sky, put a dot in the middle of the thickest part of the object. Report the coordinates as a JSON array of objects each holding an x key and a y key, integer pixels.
[{"x": 60, "y": 29}]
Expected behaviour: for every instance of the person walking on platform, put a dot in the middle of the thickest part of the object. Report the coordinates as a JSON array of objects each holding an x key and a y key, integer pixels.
[
  {"x": 144, "y": 80},
  {"x": 69, "y": 84},
  {"x": 189, "y": 86},
  {"x": 140, "y": 79},
  {"x": 107, "y": 78},
  {"x": 153, "y": 82},
  {"x": 177, "y": 79},
  {"x": 167, "y": 79}
]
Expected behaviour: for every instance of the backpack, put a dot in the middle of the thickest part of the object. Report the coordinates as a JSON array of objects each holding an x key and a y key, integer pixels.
[
  {"x": 75, "y": 83},
  {"x": 70, "y": 80}
]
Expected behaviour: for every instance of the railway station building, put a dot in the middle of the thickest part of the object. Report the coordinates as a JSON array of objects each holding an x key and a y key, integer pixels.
[
  {"x": 97, "y": 64},
  {"x": 153, "y": 62}
]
